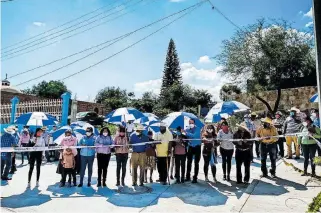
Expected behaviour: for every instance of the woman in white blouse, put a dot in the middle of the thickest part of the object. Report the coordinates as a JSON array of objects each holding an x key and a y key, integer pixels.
[
  {"x": 224, "y": 136},
  {"x": 36, "y": 156}
]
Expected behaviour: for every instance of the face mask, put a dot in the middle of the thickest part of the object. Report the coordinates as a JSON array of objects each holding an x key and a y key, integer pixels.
[
  {"x": 178, "y": 133},
  {"x": 209, "y": 130},
  {"x": 162, "y": 130},
  {"x": 138, "y": 132},
  {"x": 305, "y": 124},
  {"x": 277, "y": 116},
  {"x": 88, "y": 134},
  {"x": 292, "y": 114},
  {"x": 225, "y": 128},
  {"x": 313, "y": 116},
  {"x": 121, "y": 134},
  {"x": 39, "y": 134},
  {"x": 105, "y": 134},
  {"x": 25, "y": 129},
  {"x": 68, "y": 136},
  {"x": 191, "y": 126}
]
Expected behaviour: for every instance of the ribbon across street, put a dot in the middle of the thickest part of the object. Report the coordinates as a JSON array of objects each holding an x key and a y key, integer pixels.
[{"x": 33, "y": 149}]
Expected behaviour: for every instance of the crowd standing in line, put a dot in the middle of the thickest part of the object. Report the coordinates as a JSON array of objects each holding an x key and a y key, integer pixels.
[{"x": 185, "y": 145}]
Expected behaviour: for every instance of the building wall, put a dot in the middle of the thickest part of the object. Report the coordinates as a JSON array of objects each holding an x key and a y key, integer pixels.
[
  {"x": 82, "y": 106},
  {"x": 298, "y": 97}
]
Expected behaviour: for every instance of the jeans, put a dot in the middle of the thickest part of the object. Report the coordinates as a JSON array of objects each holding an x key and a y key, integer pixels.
[
  {"x": 71, "y": 173},
  {"x": 243, "y": 157},
  {"x": 103, "y": 162},
  {"x": 5, "y": 165},
  {"x": 24, "y": 153},
  {"x": 281, "y": 145},
  {"x": 86, "y": 160},
  {"x": 227, "y": 155},
  {"x": 138, "y": 160},
  {"x": 35, "y": 157},
  {"x": 196, "y": 153},
  {"x": 180, "y": 161},
  {"x": 309, "y": 151},
  {"x": 121, "y": 159},
  {"x": 162, "y": 167},
  {"x": 207, "y": 159},
  {"x": 271, "y": 150}
]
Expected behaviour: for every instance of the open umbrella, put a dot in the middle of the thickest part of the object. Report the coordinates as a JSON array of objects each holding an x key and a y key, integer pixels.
[
  {"x": 122, "y": 115},
  {"x": 314, "y": 98},
  {"x": 148, "y": 114},
  {"x": 227, "y": 107},
  {"x": 145, "y": 120},
  {"x": 36, "y": 119},
  {"x": 59, "y": 134},
  {"x": 176, "y": 119}
]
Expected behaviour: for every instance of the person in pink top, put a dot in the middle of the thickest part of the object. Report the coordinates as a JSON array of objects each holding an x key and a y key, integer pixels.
[
  {"x": 121, "y": 154},
  {"x": 68, "y": 140},
  {"x": 24, "y": 141},
  {"x": 180, "y": 150}
]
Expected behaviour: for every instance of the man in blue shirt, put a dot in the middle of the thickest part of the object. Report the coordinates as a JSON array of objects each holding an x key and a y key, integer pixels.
[
  {"x": 194, "y": 150},
  {"x": 7, "y": 140},
  {"x": 139, "y": 154}
]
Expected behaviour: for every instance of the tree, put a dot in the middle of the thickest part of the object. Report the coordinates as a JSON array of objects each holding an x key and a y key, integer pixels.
[
  {"x": 263, "y": 54},
  {"x": 172, "y": 70},
  {"x": 227, "y": 90},
  {"x": 146, "y": 103},
  {"x": 202, "y": 97},
  {"x": 113, "y": 97},
  {"x": 51, "y": 89}
]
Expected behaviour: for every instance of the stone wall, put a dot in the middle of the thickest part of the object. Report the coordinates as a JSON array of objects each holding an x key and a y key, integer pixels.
[
  {"x": 83, "y": 106},
  {"x": 298, "y": 97},
  {"x": 7, "y": 96}
]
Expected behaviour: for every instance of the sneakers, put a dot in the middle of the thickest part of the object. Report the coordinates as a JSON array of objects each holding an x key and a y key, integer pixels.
[
  {"x": 6, "y": 178},
  {"x": 37, "y": 184}
]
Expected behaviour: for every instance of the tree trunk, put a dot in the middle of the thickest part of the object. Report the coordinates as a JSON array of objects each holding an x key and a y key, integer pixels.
[
  {"x": 265, "y": 102},
  {"x": 277, "y": 102}
]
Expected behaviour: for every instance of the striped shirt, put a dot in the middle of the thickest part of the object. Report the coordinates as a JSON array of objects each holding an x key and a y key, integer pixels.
[{"x": 7, "y": 140}]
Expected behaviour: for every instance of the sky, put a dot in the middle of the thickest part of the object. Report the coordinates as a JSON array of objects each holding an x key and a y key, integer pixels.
[{"x": 198, "y": 37}]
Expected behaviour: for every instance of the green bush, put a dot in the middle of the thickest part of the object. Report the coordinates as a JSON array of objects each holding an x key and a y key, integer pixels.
[
  {"x": 317, "y": 160},
  {"x": 315, "y": 206}
]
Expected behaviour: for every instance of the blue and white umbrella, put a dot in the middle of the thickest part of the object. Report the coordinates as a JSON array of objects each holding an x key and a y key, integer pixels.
[
  {"x": 59, "y": 134},
  {"x": 78, "y": 124},
  {"x": 36, "y": 119},
  {"x": 314, "y": 98},
  {"x": 145, "y": 120},
  {"x": 176, "y": 119},
  {"x": 227, "y": 107},
  {"x": 122, "y": 115},
  {"x": 148, "y": 114}
]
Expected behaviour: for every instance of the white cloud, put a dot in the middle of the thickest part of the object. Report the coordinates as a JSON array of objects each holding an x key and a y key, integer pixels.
[
  {"x": 309, "y": 13},
  {"x": 176, "y": 0},
  {"x": 204, "y": 59},
  {"x": 309, "y": 24},
  {"x": 39, "y": 24},
  {"x": 207, "y": 79}
]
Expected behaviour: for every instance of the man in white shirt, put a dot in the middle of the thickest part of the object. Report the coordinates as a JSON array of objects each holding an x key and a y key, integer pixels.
[{"x": 130, "y": 128}]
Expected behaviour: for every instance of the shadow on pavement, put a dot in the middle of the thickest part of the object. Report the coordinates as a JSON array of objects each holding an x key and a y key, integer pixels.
[{"x": 27, "y": 198}]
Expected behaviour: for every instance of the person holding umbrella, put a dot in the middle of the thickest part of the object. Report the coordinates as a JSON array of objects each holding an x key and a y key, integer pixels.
[
  {"x": 87, "y": 155},
  {"x": 268, "y": 146},
  {"x": 36, "y": 156},
  {"x": 194, "y": 150},
  {"x": 243, "y": 152},
  {"x": 163, "y": 151}
]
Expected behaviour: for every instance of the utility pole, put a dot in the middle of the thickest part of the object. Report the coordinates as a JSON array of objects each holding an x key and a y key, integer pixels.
[{"x": 316, "y": 12}]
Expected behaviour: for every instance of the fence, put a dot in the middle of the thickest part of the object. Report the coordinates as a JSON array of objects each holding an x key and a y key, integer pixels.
[{"x": 50, "y": 106}]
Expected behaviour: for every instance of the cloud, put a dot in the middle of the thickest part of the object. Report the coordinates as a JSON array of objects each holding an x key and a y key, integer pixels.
[
  {"x": 207, "y": 79},
  {"x": 309, "y": 13},
  {"x": 204, "y": 59},
  {"x": 176, "y": 0},
  {"x": 39, "y": 24},
  {"x": 309, "y": 24}
]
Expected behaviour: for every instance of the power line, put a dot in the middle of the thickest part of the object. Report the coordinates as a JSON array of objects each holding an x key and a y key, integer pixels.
[
  {"x": 64, "y": 24},
  {"x": 222, "y": 14},
  {"x": 128, "y": 47},
  {"x": 10, "y": 51},
  {"x": 72, "y": 35},
  {"x": 116, "y": 40}
]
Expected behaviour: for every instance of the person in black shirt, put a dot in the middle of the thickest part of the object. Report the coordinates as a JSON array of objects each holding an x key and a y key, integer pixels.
[{"x": 242, "y": 153}]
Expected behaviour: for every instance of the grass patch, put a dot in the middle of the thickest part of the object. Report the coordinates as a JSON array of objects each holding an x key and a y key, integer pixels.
[{"x": 315, "y": 206}]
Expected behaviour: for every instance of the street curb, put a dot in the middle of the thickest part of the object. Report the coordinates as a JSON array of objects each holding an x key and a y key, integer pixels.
[
  {"x": 296, "y": 168},
  {"x": 247, "y": 193}
]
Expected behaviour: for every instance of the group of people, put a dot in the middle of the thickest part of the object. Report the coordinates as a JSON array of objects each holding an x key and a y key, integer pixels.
[{"x": 183, "y": 146}]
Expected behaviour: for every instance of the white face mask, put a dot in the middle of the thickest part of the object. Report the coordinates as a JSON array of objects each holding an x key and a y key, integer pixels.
[
  {"x": 69, "y": 136},
  {"x": 305, "y": 124},
  {"x": 88, "y": 134},
  {"x": 210, "y": 130},
  {"x": 313, "y": 116},
  {"x": 191, "y": 126},
  {"x": 105, "y": 134}
]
